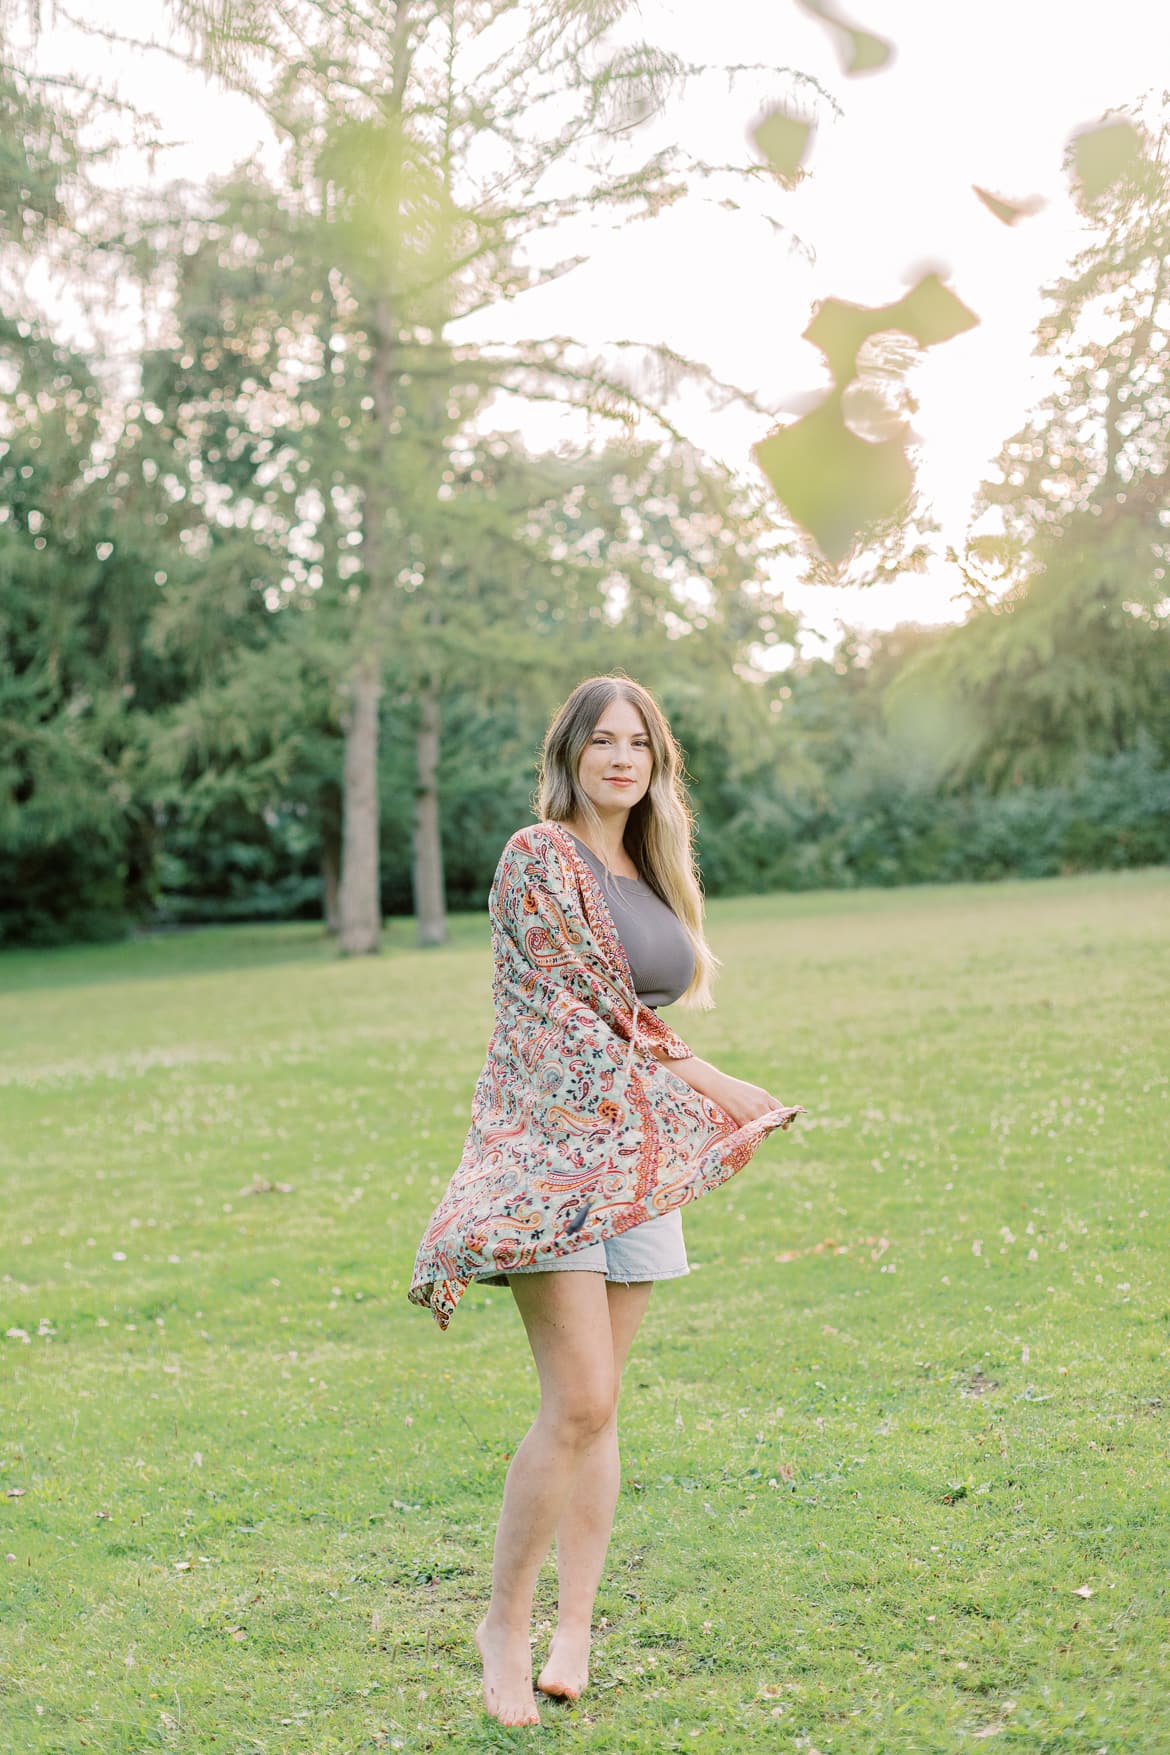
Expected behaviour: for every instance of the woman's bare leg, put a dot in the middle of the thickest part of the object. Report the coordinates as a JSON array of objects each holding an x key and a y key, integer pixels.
[
  {"x": 567, "y": 1319},
  {"x": 587, "y": 1520}
]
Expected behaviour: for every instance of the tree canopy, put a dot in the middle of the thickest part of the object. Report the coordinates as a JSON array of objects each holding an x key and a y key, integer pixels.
[{"x": 281, "y": 624}]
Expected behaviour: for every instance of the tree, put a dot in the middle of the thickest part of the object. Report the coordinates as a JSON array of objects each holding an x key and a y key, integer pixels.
[
  {"x": 1067, "y": 647},
  {"x": 637, "y": 556},
  {"x": 421, "y": 163},
  {"x": 71, "y": 594},
  {"x": 85, "y": 537}
]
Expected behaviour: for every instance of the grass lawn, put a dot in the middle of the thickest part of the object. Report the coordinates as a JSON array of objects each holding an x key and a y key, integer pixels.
[{"x": 894, "y": 1454}]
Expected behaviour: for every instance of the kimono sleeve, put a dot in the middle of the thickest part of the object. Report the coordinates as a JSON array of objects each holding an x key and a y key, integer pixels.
[
  {"x": 549, "y": 946},
  {"x": 652, "y": 1028}
]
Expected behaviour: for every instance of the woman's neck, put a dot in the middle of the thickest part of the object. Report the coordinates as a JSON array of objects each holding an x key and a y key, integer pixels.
[{"x": 607, "y": 841}]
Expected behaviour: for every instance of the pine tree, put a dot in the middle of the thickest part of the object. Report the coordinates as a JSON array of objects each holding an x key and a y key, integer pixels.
[
  {"x": 423, "y": 158},
  {"x": 1067, "y": 648}
]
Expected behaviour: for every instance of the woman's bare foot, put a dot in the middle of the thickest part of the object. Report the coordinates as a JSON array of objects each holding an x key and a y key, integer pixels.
[
  {"x": 566, "y": 1674},
  {"x": 507, "y": 1676}
]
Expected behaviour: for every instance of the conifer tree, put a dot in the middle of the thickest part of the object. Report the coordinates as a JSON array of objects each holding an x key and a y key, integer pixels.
[
  {"x": 431, "y": 147},
  {"x": 1067, "y": 648}
]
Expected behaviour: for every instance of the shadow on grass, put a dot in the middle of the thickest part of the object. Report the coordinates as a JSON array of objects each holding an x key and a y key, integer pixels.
[{"x": 176, "y": 952}]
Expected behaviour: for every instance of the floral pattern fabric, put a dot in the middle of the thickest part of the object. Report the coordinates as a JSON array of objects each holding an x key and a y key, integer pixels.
[{"x": 578, "y": 1131}]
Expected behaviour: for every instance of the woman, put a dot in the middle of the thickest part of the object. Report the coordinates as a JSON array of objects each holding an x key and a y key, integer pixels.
[{"x": 592, "y": 1124}]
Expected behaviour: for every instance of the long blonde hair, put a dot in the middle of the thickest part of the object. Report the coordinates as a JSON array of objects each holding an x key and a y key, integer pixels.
[{"x": 660, "y": 829}]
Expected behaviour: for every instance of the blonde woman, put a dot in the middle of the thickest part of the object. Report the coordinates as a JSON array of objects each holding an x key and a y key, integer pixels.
[{"x": 593, "y": 1124}]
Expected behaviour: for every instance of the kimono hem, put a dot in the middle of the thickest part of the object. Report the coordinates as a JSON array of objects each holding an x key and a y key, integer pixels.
[{"x": 578, "y": 1132}]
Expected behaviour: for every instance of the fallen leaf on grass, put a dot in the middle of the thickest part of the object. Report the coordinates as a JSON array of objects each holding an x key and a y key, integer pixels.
[
  {"x": 15, "y": 1493},
  {"x": 261, "y": 1185},
  {"x": 827, "y": 1244},
  {"x": 1083, "y": 1590},
  {"x": 238, "y": 1632},
  {"x": 988, "y": 1731}
]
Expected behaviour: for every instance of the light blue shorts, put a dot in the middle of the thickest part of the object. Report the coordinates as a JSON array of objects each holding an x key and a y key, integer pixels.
[{"x": 653, "y": 1250}]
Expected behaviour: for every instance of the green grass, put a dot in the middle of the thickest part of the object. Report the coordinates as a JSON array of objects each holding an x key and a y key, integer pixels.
[{"x": 910, "y": 1403}]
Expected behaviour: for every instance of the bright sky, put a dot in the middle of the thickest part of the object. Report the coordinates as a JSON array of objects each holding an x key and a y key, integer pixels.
[{"x": 984, "y": 92}]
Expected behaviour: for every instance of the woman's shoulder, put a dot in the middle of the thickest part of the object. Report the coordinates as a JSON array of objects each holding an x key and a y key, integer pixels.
[
  {"x": 537, "y": 844},
  {"x": 534, "y": 835}
]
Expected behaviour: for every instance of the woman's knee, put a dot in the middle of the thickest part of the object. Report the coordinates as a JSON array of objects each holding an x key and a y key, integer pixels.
[{"x": 581, "y": 1412}]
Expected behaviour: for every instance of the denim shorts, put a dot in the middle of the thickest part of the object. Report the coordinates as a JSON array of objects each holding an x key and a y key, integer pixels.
[{"x": 653, "y": 1250}]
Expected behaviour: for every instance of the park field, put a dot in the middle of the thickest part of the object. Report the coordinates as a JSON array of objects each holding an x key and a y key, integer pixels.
[{"x": 895, "y": 1453}]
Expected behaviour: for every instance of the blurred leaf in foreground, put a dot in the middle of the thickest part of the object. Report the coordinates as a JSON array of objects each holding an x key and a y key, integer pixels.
[
  {"x": 1008, "y": 211},
  {"x": 784, "y": 140},
  {"x": 833, "y": 481},
  {"x": 930, "y": 312},
  {"x": 861, "y": 51},
  {"x": 1102, "y": 155}
]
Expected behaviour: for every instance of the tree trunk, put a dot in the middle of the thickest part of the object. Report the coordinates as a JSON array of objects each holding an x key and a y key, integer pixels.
[
  {"x": 360, "y": 904},
  {"x": 429, "y": 902},
  {"x": 331, "y": 859},
  {"x": 360, "y": 899}
]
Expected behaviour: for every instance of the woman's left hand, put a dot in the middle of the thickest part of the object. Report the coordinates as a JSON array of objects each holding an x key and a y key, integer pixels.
[{"x": 744, "y": 1102}]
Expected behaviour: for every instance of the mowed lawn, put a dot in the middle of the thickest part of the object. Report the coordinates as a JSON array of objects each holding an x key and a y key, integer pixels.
[{"x": 895, "y": 1453}]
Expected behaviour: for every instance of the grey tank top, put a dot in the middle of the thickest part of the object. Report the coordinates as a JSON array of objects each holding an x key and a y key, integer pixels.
[{"x": 660, "y": 955}]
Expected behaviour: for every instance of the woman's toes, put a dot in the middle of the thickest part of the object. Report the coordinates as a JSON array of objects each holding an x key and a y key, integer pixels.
[
  {"x": 566, "y": 1673},
  {"x": 507, "y": 1676}
]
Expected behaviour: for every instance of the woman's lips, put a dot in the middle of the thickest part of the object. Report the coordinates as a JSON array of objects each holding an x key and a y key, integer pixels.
[{"x": 621, "y": 782}]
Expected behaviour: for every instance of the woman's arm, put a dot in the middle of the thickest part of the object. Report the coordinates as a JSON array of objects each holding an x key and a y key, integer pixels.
[
  {"x": 535, "y": 907},
  {"x": 744, "y": 1102}
]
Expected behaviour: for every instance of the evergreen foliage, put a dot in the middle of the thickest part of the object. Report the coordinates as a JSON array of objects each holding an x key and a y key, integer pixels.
[
  {"x": 1066, "y": 651},
  {"x": 303, "y": 499}
]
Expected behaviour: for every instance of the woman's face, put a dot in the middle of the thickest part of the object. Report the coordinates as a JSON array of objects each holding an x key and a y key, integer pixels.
[{"x": 616, "y": 763}]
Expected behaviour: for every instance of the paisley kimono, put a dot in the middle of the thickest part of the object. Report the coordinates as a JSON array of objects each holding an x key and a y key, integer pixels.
[{"x": 578, "y": 1131}]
